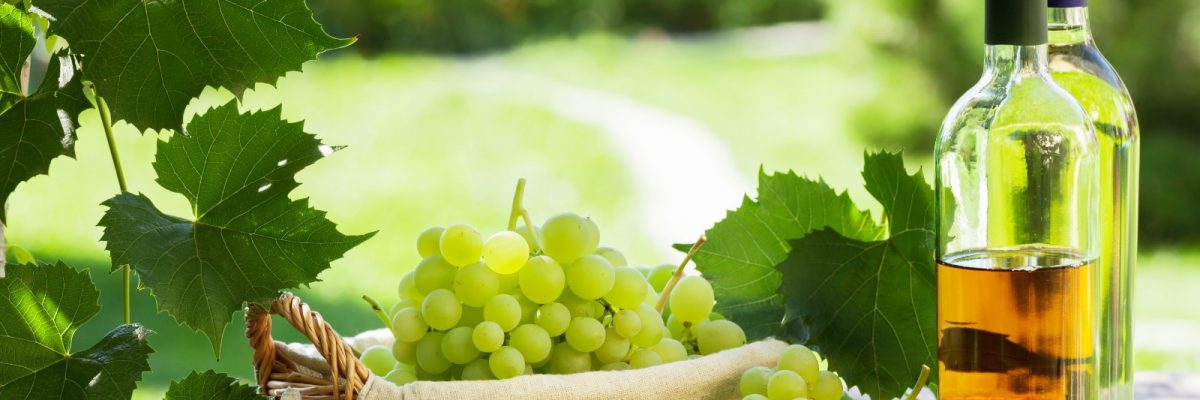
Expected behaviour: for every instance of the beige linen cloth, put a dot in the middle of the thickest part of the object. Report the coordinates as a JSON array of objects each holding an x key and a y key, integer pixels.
[{"x": 713, "y": 377}]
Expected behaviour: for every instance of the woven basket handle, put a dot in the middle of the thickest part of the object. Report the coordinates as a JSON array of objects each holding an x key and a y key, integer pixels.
[{"x": 347, "y": 373}]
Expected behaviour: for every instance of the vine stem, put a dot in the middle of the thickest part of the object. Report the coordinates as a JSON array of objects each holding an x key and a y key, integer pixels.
[
  {"x": 520, "y": 213},
  {"x": 378, "y": 311},
  {"x": 666, "y": 294},
  {"x": 920, "y": 383},
  {"x": 106, "y": 119}
]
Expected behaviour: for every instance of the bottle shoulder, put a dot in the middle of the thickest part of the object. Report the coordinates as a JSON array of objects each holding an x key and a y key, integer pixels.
[
  {"x": 1021, "y": 106},
  {"x": 1084, "y": 72}
]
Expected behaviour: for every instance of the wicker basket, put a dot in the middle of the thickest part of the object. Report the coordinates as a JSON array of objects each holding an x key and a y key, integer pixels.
[{"x": 276, "y": 373}]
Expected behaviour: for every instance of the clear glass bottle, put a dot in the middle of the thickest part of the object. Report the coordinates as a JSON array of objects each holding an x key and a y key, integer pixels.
[
  {"x": 1017, "y": 183},
  {"x": 1077, "y": 65}
]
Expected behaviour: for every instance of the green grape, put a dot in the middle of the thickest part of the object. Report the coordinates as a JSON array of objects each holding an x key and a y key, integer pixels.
[
  {"x": 628, "y": 290},
  {"x": 566, "y": 237},
  {"x": 429, "y": 354},
  {"x": 590, "y": 277},
  {"x": 458, "y": 345},
  {"x": 627, "y": 323},
  {"x": 475, "y": 284},
  {"x": 405, "y": 352},
  {"x": 692, "y": 299},
  {"x": 652, "y": 327},
  {"x": 478, "y": 370},
  {"x": 670, "y": 350},
  {"x": 542, "y": 280},
  {"x": 507, "y": 363},
  {"x": 408, "y": 326},
  {"x": 651, "y": 296},
  {"x": 401, "y": 377},
  {"x": 614, "y": 349},
  {"x": 441, "y": 309},
  {"x": 613, "y": 256},
  {"x": 675, "y": 327},
  {"x": 593, "y": 237},
  {"x": 461, "y": 245},
  {"x": 756, "y": 397},
  {"x": 720, "y": 335},
  {"x": 487, "y": 336},
  {"x": 577, "y": 306},
  {"x": 434, "y": 273},
  {"x": 786, "y": 385},
  {"x": 471, "y": 316},
  {"x": 554, "y": 318},
  {"x": 505, "y": 252},
  {"x": 530, "y": 236},
  {"x": 564, "y": 359},
  {"x": 508, "y": 282},
  {"x": 408, "y": 287},
  {"x": 617, "y": 366},
  {"x": 660, "y": 275},
  {"x": 378, "y": 359},
  {"x": 644, "y": 358},
  {"x": 801, "y": 360},
  {"x": 827, "y": 387},
  {"x": 754, "y": 380},
  {"x": 402, "y": 304},
  {"x": 585, "y": 334},
  {"x": 504, "y": 310},
  {"x": 428, "y": 242},
  {"x": 532, "y": 341},
  {"x": 528, "y": 308}
]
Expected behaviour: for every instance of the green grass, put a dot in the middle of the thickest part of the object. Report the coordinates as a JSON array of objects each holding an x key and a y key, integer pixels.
[{"x": 440, "y": 141}]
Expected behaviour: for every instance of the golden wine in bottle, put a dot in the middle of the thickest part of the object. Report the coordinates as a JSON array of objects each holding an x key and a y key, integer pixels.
[{"x": 1017, "y": 170}]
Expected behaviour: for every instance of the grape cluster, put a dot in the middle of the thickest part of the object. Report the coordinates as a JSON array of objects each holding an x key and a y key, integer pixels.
[
  {"x": 543, "y": 299},
  {"x": 798, "y": 376}
]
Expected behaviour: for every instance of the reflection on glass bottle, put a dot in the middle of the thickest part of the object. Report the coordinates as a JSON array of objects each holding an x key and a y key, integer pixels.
[
  {"x": 1077, "y": 65},
  {"x": 1017, "y": 190}
]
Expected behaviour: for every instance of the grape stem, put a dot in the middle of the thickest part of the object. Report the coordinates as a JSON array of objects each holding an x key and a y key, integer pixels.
[
  {"x": 666, "y": 294},
  {"x": 519, "y": 212},
  {"x": 387, "y": 322},
  {"x": 912, "y": 395}
]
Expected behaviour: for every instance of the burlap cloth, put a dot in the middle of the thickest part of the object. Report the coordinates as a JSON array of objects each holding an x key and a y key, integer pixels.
[{"x": 713, "y": 377}]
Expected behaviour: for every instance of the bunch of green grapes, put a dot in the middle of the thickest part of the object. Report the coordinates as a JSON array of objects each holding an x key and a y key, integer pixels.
[
  {"x": 542, "y": 299},
  {"x": 798, "y": 376}
]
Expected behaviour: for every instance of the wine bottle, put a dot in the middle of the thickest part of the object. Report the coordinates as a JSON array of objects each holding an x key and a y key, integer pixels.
[
  {"x": 1017, "y": 189},
  {"x": 1077, "y": 65}
]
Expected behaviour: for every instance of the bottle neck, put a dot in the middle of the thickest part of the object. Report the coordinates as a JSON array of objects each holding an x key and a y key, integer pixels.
[
  {"x": 1007, "y": 60},
  {"x": 1069, "y": 26}
]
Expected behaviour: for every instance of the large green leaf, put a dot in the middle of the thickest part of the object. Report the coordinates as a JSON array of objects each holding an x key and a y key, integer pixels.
[
  {"x": 150, "y": 58},
  {"x": 869, "y": 306},
  {"x": 246, "y": 240},
  {"x": 743, "y": 249},
  {"x": 210, "y": 385},
  {"x": 35, "y": 129},
  {"x": 40, "y": 309}
]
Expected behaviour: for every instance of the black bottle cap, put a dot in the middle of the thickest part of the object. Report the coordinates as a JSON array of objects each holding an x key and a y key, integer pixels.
[
  {"x": 1015, "y": 22},
  {"x": 1068, "y": 3}
]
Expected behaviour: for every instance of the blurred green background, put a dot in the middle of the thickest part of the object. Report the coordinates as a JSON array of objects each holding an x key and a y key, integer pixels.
[{"x": 651, "y": 116}]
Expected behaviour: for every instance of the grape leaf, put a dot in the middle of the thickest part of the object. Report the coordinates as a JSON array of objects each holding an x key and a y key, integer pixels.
[
  {"x": 16, "y": 42},
  {"x": 743, "y": 249},
  {"x": 148, "y": 59},
  {"x": 36, "y": 129},
  {"x": 869, "y": 306},
  {"x": 246, "y": 240},
  {"x": 40, "y": 309},
  {"x": 210, "y": 385}
]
